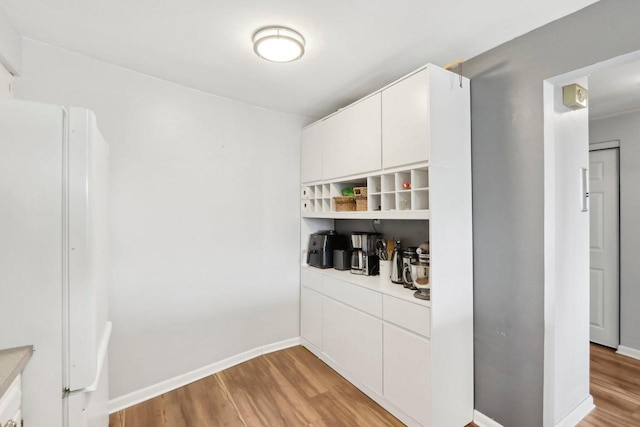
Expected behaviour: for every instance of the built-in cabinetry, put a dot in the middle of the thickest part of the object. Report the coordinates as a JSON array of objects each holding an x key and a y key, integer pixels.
[
  {"x": 405, "y": 120},
  {"x": 409, "y": 144}
]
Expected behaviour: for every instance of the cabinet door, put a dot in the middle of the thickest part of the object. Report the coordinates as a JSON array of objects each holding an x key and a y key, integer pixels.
[
  {"x": 311, "y": 316},
  {"x": 311, "y": 153},
  {"x": 407, "y": 372},
  {"x": 405, "y": 121},
  {"x": 352, "y": 143},
  {"x": 354, "y": 341}
]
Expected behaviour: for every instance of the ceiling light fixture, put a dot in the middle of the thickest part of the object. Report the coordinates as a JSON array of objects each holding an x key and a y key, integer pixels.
[{"x": 278, "y": 44}]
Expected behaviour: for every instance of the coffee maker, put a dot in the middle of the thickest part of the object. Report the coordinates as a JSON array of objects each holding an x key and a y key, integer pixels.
[{"x": 364, "y": 259}]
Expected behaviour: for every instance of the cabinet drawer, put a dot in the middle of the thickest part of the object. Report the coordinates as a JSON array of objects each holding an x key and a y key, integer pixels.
[
  {"x": 11, "y": 401},
  {"x": 414, "y": 317},
  {"x": 311, "y": 279},
  {"x": 353, "y": 295}
]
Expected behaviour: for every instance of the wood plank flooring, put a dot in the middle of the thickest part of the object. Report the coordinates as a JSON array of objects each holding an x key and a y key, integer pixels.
[
  {"x": 615, "y": 387},
  {"x": 294, "y": 388},
  {"x": 286, "y": 388}
]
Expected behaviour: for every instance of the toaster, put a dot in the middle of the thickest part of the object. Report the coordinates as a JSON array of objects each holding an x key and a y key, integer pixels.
[{"x": 321, "y": 247}]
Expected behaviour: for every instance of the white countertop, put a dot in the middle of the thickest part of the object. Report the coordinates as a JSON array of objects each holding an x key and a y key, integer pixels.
[
  {"x": 12, "y": 362},
  {"x": 374, "y": 283}
]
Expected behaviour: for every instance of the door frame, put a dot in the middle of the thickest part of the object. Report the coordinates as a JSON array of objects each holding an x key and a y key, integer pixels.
[{"x": 556, "y": 132}]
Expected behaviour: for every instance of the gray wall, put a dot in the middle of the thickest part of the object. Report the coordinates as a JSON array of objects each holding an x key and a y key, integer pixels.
[
  {"x": 507, "y": 153},
  {"x": 626, "y": 129}
]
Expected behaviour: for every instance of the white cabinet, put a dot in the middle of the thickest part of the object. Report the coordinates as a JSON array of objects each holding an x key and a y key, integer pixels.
[
  {"x": 405, "y": 121},
  {"x": 407, "y": 372},
  {"x": 354, "y": 341},
  {"x": 352, "y": 140},
  {"x": 413, "y": 357},
  {"x": 311, "y": 316},
  {"x": 11, "y": 403},
  {"x": 311, "y": 152}
]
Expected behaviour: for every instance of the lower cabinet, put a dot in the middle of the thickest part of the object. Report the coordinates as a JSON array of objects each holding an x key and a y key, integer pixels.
[
  {"x": 311, "y": 316},
  {"x": 407, "y": 377},
  {"x": 354, "y": 341}
]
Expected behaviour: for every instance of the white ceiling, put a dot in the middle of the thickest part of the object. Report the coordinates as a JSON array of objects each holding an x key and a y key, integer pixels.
[
  {"x": 353, "y": 46},
  {"x": 614, "y": 91}
]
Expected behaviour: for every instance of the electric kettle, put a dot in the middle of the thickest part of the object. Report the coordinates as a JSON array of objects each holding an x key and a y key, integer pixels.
[{"x": 396, "y": 264}]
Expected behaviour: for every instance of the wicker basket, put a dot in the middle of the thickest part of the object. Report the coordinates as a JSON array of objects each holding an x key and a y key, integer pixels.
[
  {"x": 360, "y": 192},
  {"x": 361, "y": 203},
  {"x": 345, "y": 204}
]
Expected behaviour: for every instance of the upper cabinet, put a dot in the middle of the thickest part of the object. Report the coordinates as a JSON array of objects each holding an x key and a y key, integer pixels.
[
  {"x": 405, "y": 121},
  {"x": 419, "y": 119},
  {"x": 424, "y": 119},
  {"x": 311, "y": 152},
  {"x": 352, "y": 140}
]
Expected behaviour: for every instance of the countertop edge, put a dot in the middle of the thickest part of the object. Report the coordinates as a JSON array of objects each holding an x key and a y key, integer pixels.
[{"x": 12, "y": 362}]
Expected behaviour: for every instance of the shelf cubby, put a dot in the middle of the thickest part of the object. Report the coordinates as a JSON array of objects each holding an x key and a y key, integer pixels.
[
  {"x": 419, "y": 178},
  {"x": 401, "y": 179},
  {"x": 388, "y": 183},
  {"x": 403, "y": 200},
  {"x": 388, "y": 202},
  {"x": 374, "y": 185},
  {"x": 386, "y": 195},
  {"x": 374, "y": 201}
]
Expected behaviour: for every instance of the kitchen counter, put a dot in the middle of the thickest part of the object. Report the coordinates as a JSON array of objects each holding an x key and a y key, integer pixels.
[
  {"x": 373, "y": 283},
  {"x": 12, "y": 362}
]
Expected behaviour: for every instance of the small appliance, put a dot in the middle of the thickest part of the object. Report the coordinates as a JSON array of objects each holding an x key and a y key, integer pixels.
[
  {"x": 342, "y": 259},
  {"x": 409, "y": 256},
  {"x": 321, "y": 247},
  {"x": 396, "y": 263},
  {"x": 420, "y": 272},
  {"x": 364, "y": 258}
]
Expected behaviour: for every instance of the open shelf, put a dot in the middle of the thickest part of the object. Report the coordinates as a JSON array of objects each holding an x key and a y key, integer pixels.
[
  {"x": 402, "y": 194},
  {"x": 418, "y": 215}
]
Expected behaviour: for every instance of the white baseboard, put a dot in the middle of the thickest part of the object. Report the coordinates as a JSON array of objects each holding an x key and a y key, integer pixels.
[
  {"x": 577, "y": 414},
  {"x": 152, "y": 391},
  {"x": 481, "y": 420},
  {"x": 629, "y": 352}
]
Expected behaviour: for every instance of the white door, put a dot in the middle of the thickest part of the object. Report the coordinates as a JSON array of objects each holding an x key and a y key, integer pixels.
[{"x": 604, "y": 243}]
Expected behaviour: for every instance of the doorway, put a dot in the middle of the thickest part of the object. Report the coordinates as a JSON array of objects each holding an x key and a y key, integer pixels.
[
  {"x": 568, "y": 294},
  {"x": 604, "y": 243}
]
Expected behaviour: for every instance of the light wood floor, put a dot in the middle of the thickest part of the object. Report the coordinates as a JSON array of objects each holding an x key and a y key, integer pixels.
[
  {"x": 615, "y": 387},
  {"x": 286, "y": 388},
  {"x": 293, "y": 388}
]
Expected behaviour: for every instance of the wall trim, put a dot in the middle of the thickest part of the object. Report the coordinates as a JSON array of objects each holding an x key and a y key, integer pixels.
[
  {"x": 577, "y": 414},
  {"x": 629, "y": 352},
  {"x": 154, "y": 390},
  {"x": 481, "y": 420}
]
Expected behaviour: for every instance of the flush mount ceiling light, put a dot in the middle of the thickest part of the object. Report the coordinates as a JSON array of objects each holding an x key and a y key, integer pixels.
[{"x": 278, "y": 44}]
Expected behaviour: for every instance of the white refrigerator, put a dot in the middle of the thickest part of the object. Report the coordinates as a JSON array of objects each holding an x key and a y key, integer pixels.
[{"x": 53, "y": 259}]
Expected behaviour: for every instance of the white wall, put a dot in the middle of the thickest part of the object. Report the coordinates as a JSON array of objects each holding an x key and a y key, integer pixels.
[
  {"x": 626, "y": 129},
  {"x": 10, "y": 44},
  {"x": 6, "y": 83},
  {"x": 204, "y": 215}
]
